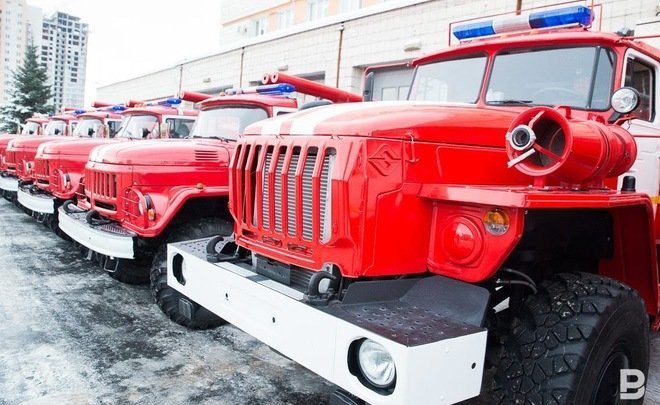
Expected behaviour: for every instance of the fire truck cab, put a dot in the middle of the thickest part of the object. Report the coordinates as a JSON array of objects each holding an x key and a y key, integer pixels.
[
  {"x": 140, "y": 197},
  {"x": 57, "y": 167},
  {"x": 472, "y": 239},
  {"x": 19, "y": 155}
]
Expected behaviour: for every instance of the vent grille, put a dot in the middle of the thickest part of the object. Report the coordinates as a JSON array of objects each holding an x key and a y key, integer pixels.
[
  {"x": 206, "y": 155},
  {"x": 102, "y": 185}
]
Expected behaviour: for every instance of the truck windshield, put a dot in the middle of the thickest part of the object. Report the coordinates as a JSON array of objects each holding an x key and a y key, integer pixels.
[
  {"x": 139, "y": 127},
  {"x": 55, "y": 127},
  {"x": 578, "y": 77},
  {"x": 226, "y": 122},
  {"x": 454, "y": 81},
  {"x": 30, "y": 128},
  {"x": 88, "y": 128}
]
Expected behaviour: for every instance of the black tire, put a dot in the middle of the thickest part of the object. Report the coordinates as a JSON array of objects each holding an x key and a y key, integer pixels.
[
  {"x": 168, "y": 298},
  {"x": 566, "y": 344},
  {"x": 130, "y": 271}
]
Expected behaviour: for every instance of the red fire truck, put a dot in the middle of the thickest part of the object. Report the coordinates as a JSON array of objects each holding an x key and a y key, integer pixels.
[
  {"x": 33, "y": 126},
  {"x": 19, "y": 155},
  {"x": 59, "y": 166},
  {"x": 471, "y": 238},
  {"x": 140, "y": 197}
]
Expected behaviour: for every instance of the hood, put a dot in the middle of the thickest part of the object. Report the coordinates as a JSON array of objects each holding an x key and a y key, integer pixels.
[
  {"x": 32, "y": 142},
  {"x": 80, "y": 147},
  {"x": 163, "y": 152},
  {"x": 4, "y": 140},
  {"x": 422, "y": 121}
]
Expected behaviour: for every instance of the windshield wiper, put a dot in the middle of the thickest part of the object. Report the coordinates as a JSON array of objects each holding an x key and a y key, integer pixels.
[
  {"x": 215, "y": 137},
  {"x": 510, "y": 102}
]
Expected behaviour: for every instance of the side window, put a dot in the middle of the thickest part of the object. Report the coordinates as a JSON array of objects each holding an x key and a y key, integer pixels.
[
  {"x": 180, "y": 128},
  {"x": 114, "y": 128},
  {"x": 642, "y": 78}
]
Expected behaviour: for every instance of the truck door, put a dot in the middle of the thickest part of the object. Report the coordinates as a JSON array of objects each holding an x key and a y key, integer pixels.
[{"x": 641, "y": 72}]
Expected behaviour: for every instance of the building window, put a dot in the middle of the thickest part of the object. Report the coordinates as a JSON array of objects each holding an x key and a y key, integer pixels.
[
  {"x": 350, "y": 5},
  {"x": 317, "y": 9},
  {"x": 260, "y": 26},
  {"x": 285, "y": 18}
]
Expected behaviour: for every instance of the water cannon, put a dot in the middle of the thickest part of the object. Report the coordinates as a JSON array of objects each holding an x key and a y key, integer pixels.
[
  {"x": 101, "y": 104},
  {"x": 312, "y": 88},
  {"x": 133, "y": 103},
  {"x": 193, "y": 96},
  {"x": 573, "y": 16},
  {"x": 278, "y": 89},
  {"x": 68, "y": 109},
  {"x": 544, "y": 142}
]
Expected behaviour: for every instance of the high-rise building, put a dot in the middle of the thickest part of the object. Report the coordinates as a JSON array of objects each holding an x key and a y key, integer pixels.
[
  {"x": 64, "y": 53},
  {"x": 20, "y": 25}
]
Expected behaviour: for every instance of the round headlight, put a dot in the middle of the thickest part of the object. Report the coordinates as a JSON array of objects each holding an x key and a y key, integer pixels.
[
  {"x": 376, "y": 364},
  {"x": 625, "y": 100}
]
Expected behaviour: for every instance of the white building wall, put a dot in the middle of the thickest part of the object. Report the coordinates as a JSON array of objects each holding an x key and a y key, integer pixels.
[{"x": 369, "y": 40}]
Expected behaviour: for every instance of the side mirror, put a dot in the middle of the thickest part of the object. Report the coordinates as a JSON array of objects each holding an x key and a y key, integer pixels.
[
  {"x": 368, "y": 92},
  {"x": 90, "y": 132},
  {"x": 145, "y": 133},
  {"x": 57, "y": 132},
  {"x": 625, "y": 100},
  {"x": 165, "y": 131},
  {"x": 102, "y": 132}
]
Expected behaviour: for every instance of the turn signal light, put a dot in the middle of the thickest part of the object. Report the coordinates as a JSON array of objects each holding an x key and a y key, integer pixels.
[
  {"x": 151, "y": 214},
  {"x": 496, "y": 222}
]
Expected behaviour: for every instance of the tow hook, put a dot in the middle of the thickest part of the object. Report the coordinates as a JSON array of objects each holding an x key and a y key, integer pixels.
[
  {"x": 224, "y": 249},
  {"x": 314, "y": 296}
]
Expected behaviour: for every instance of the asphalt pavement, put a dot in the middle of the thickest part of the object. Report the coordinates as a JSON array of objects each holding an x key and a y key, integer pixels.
[{"x": 69, "y": 334}]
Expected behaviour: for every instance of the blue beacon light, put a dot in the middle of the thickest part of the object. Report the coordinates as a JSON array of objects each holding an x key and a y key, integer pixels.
[
  {"x": 118, "y": 108},
  {"x": 561, "y": 17},
  {"x": 268, "y": 90}
]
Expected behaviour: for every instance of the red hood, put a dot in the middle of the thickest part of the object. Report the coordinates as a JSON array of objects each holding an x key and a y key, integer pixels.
[
  {"x": 164, "y": 152},
  {"x": 421, "y": 121},
  {"x": 5, "y": 138},
  {"x": 32, "y": 142},
  {"x": 80, "y": 147}
]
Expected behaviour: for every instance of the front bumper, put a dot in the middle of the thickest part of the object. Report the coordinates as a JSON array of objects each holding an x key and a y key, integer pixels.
[
  {"x": 37, "y": 202},
  {"x": 109, "y": 239},
  {"x": 444, "y": 369},
  {"x": 9, "y": 183}
]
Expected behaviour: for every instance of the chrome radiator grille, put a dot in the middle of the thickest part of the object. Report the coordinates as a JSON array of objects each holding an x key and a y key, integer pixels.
[
  {"x": 102, "y": 185},
  {"x": 288, "y": 189}
]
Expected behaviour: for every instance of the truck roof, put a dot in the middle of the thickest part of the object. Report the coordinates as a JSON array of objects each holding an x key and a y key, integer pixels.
[
  {"x": 555, "y": 38},
  {"x": 254, "y": 99},
  {"x": 64, "y": 117},
  {"x": 160, "y": 110},
  {"x": 39, "y": 120},
  {"x": 101, "y": 115}
]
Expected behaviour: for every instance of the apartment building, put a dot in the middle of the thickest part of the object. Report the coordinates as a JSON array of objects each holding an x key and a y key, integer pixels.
[
  {"x": 64, "y": 53},
  {"x": 20, "y": 24}
]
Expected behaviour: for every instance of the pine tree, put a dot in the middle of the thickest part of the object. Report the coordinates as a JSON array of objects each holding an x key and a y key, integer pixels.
[{"x": 30, "y": 94}]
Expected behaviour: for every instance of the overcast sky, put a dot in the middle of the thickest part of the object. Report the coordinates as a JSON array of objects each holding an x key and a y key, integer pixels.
[{"x": 128, "y": 38}]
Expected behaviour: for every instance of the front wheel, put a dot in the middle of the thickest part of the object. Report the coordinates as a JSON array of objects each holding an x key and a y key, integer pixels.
[
  {"x": 568, "y": 343},
  {"x": 175, "y": 305}
]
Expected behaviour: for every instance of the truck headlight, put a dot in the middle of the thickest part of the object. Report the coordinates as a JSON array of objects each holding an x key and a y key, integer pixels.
[{"x": 376, "y": 364}]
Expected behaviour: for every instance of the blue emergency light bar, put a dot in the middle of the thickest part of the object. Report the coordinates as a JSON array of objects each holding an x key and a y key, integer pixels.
[
  {"x": 118, "y": 107},
  {"x": 560, "y": 17},
  {"x": 79, "y": 111},
  {"x": 267, "y": 90}
]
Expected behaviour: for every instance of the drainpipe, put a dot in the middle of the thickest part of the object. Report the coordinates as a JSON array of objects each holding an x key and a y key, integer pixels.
[
  {"x": 341, "y": 43},
  {"x": 240, "y": 80}
]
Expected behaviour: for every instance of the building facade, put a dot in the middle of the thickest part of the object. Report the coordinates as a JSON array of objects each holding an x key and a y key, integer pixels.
[
  {"x": 20, "y": 25},
  {"x": 64, "y": 54},
  {"x": 337, "y": 47}
]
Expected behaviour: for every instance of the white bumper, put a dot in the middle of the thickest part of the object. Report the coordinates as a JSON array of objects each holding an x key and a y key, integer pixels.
[
  {"x": 441, "y": 372},
  {"x": 9, "y": 183},
  {"x": 41, "y": 203},
  {"x": 104, "y": 239}
]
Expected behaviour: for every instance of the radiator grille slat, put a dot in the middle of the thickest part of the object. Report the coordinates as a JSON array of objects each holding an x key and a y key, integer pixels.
[{"x": 291, "y": 195}]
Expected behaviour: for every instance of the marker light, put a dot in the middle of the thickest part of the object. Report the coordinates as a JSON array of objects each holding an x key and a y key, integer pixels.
[
  {"x": 560, "y": 17},
  {"x": 268, "y": 89},
  {"x": 496, "y": 222}
]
